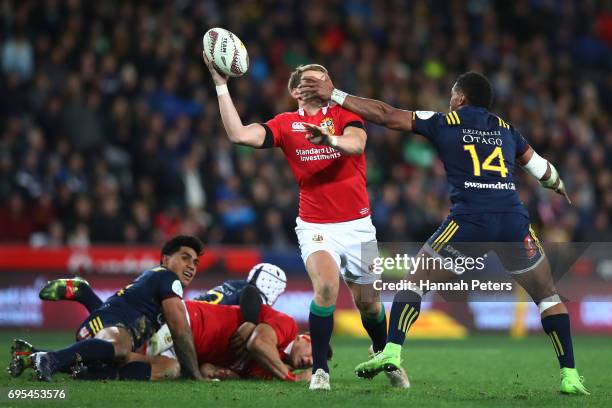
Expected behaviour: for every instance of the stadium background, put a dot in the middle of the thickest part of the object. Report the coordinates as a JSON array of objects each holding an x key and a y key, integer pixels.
[{"x": 111, "y": 142}]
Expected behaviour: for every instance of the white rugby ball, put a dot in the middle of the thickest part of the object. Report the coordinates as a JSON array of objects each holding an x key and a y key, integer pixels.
[{"x": 226, "y": 51}]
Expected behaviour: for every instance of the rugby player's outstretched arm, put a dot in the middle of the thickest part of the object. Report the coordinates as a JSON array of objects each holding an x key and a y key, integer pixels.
[
  {"x": 370, "y": 109},
  {"x": 262, "y": 346},
  {"x": 176, "y": 318},
  {"x": 251, "y": 135},
  {"x": 543, "y": 170}
]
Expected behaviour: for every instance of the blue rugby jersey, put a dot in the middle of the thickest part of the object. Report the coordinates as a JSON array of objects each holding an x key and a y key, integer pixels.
[
  {"x": 145, "y": 294},
  {"x": 479, "y": 151}
]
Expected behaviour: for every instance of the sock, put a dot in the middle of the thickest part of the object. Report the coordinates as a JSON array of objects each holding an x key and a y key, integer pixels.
[
  {"x": 558, "y": 329},
  {"x": 404, "y": 312},
  {"x": 321, "y": 322},
  {"x": 87, "y": 297},
  {"x": 99, "y": 372},
  {"x": 91, "y": 350},
  {"x": 136, "y": 370},
  {"x": 376, "y": 328}
]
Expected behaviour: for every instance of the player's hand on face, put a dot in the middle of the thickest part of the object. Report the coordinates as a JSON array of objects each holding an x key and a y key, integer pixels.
[
  {"x": 315, "y": 88},
  {"x": 317, "y": 135},
  {"x": 239, "y": 339},
  {"x": 217, "y": 77}
]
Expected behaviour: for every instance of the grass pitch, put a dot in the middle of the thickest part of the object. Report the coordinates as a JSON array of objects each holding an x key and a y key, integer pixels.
[{"x": 479, "y": 371}]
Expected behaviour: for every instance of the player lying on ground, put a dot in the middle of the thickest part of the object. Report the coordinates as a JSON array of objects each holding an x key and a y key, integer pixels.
[
  {"x": 128, "y": 319},
  {"x": 324, "y": 146},
  {"x": 227, "y": 347},
  {"x": 269, "y": 280},
  {"x": 266, "y": 280},
  {"x": 479, "y": 151}
]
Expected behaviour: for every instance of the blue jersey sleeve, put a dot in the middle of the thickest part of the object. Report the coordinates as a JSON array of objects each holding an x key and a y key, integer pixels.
[
  {"x": 521, "y": 143},
  {"x": 168, "y": 285},
  {"x": 226, "y": 294},
  {"x": 427, "y": 123}
]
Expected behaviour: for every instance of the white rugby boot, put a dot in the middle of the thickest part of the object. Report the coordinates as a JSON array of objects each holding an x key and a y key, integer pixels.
[{"x": 320, "y": 380}]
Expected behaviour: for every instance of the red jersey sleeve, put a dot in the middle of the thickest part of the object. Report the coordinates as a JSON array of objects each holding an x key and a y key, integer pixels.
[
  {"x": 274, "y": 131},
  {"x": 348, "y": 118},
  {"x": 284, "y": 326}
]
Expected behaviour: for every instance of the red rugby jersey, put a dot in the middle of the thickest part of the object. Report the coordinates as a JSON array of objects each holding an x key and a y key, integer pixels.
[
  {"x": 212, "y": 327},
  {"x": 332, "y": 184}
]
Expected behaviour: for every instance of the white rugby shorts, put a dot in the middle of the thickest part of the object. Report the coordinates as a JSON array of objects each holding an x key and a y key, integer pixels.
[{"x": 352, "y": 244}]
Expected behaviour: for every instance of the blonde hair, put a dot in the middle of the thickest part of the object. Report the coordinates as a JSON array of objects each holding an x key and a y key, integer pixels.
[{"x": 296, "y": 76}]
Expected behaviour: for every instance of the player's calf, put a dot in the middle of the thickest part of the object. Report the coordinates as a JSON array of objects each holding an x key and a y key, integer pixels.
[{"x": 374, "y": 321}]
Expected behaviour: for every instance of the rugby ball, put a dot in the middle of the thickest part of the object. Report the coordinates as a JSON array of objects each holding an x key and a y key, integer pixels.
[{"x": 226, "y": 51}]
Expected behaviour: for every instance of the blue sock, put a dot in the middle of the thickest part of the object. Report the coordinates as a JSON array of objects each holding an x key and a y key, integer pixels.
[
  {"x": 558, "y": 329},
  {"x": 404, "y": 312},
  {"x": 87, "y": 297},
  {"x": 321, "y": 322},
  {"x": 91, "y": 350},
  {"x": 136, "y": 370},
  {"x": 376, "y": 328},
  {"x": 97, "y": 372}
]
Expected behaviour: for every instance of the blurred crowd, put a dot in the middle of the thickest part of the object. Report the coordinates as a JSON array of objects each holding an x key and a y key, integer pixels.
[{"x": 110, "y": 130}]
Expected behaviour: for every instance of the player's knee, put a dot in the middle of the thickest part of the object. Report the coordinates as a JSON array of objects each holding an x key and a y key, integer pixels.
[
  {"x": 168, "y": 370},
  {"x": 368, "y": 308},
  {"x": 122, "y": 351},
  {"x": 326, "y": 293}
]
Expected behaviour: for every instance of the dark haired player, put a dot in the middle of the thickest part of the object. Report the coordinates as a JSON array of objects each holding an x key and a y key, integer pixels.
[
  {"x": 129, "y": 318},
  {"x": 324, "y": 146},
  {"x": 479, "y": 151},
  {"x": 267, "y": 280}
]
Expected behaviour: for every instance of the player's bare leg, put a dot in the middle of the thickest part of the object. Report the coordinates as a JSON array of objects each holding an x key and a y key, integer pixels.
[
  {"x": 324, "y": 274},
  {"x": 121, "y": 340},
  {"x": 164, "y": 368},
  {"x": 540, "y": 285},
  {"x": 374, "y": 321}
]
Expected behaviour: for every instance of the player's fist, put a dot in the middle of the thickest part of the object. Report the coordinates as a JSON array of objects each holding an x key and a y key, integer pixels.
[{"x": 217, "y": 77}]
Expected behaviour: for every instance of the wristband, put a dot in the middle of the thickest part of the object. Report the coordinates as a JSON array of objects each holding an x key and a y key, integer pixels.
[
  {"x": 290, "y": 377},
  {"x": 333, "y": 141},
  {"x": 221, "y": 89},
  {"x": 552, "y": 180},
  {"x": 536, "y": 166},
  {"x": 338, "y": 96}
]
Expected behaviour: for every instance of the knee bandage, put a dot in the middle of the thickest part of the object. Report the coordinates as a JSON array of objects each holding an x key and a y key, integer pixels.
[{"x": 548, "y": 302}]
